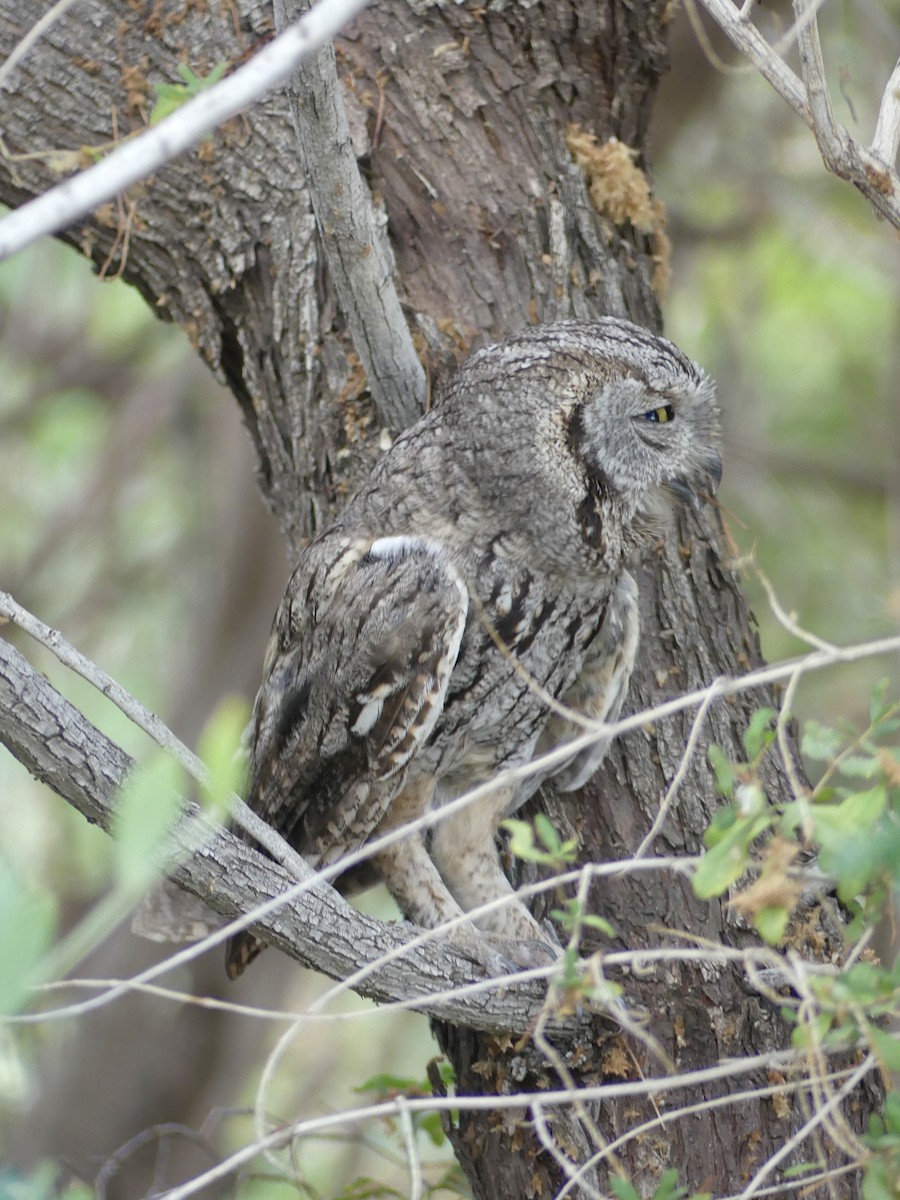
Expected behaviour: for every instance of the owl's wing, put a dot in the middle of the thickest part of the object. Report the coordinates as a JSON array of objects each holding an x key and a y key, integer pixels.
[{"x": 367, "y": 643}]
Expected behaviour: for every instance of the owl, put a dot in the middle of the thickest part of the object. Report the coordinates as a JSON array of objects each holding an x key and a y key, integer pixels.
[{"x": 478, "y": 578}]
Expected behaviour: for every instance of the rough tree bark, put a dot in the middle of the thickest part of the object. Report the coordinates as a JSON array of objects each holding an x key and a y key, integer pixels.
[{"x": 461, "y": 117}]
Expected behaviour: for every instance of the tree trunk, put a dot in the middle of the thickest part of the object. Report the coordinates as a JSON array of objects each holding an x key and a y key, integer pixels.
[{"x": 462, "y": 120}]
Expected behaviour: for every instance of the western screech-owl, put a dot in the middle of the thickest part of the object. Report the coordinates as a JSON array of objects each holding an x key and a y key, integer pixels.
[{"x": 482, "y": 567}]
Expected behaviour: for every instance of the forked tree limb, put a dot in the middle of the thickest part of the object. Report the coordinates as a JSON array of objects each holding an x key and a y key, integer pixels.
[
  {"x": 59, "y": 746},
  {"x": 871, "y": 170}
]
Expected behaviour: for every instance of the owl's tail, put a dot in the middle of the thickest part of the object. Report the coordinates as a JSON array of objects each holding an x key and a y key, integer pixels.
[{"x": 240, "y": 951}]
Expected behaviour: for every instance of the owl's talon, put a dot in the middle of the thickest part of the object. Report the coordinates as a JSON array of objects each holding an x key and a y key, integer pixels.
[
  {"x": 536, "y": 952},
  {"x": 496, "y": 956},
  {"x": 500, "y": 955}
]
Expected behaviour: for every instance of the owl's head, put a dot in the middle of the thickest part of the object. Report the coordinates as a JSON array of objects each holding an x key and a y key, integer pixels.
[
  {"x": 646, "y": 417},
  {"x": 575, "y": 438},
  {"x": 637, "y": 415}
]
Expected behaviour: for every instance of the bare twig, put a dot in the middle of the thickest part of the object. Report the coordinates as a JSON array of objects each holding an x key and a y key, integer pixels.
[
  {"x": 139, "y": 157},
  {"x": 672, "y": 791},
  {"x": 37, "y": 31},
  {"x": 757, "y": 961},
  {"x": 687, "y": 1110},
  {"x": 150, "y": 723},
  {"x": 747, "y": 38},
  {"x": 776, "y": 1060},
  {"x": 886, "y": 142},
  {"x": 786, "y": 620},
  {"x": 819, "y": 1115},
  {"x": 569, "y": 1168},
  {"x": 831, "y": 139},
  {"x": 413, "y": 1161},
  {"x": 868, "y": 169}
]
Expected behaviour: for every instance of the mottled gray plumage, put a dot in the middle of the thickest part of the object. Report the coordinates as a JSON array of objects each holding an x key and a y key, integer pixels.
[{"x": 481, "y": 567}]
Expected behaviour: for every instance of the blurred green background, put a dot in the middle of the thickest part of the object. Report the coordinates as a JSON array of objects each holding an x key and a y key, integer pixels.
[{"x": 129, "y": 519}]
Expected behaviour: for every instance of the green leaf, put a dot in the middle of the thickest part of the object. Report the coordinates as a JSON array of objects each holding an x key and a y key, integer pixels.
[
  {"x": 522, "y": 844},
  {"x": 385, "y": 1084},
  {"x": 758, "y": 735},
  {"x": 724, "y": 771},
  {"x": 557, "y": 851},
  {"x": 27, "y": 923},
  {"x": 860, "y": 922},
  {"x": 601, "y": 924},
  {"x": 447, "y": 1073},
  {"x": 860, "y": 766},
  {"x": 39, "y": 1184},
  {"x": 219, "y": 746},
  {"x": 771, "y": 922},
  {"x": 720, "y": 867},
  {"x": 892, "y": 1112},
  {"x": 546, "y": 832},
  {"x": 727, "y": 860},
  {"x": 878, "y": 705},
  {"x": 867, "y": 982},
  {"x": 802, "y": 1035},
  {"x": 572, "y": 915},
  {"x": 430, "y": 1123},
  {"x": 886, "y": 1047},
  {"x": 856, "y": 813},
  {"x": 844, "y": 832},
  {"x": 723, "y": 820},
  {"x": 149, "y": 803},
  {"x": 668, "y": 1187},
  {"x": 77, "y": 1191},
  {"x": 569, "y": 977},
  {"x": 876, "y": 1185},
  {"x": 171, "y": 96},
  {"x": 521, "y": 839},
  {"x": 623, "y": 1189},
  {"x": 362, "y": 1188},
  {"x": 820, "y": 742},
  {"x": 800, "y": 1169}
]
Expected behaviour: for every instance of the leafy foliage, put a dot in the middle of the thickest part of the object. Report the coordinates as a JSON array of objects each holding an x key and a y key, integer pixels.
[
  {"x": 852, "y": 817},
  {"x": 385, "y": 1086},
  {"x": 171, "y": 96},
  {"x": 539, "y": 842},
  {"x": 855, "y": 829},
  {"x": 668, "y": 1188},
  {"x": 27, "y": 926},
  {"x": 42, "y": 1183}
]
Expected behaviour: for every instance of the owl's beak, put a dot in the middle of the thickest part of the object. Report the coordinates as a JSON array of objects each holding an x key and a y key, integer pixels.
[
  {"x": 713, "y": 470},
  {"x": 710, "y": 475}
]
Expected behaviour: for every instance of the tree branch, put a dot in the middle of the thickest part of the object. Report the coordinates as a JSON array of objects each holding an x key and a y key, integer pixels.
[
  {"x": 317, "y": 928},
  {"x": 868, "y": 170},
  {"x": 137, "y": 158},
  {"x": 357, "y": 250}
]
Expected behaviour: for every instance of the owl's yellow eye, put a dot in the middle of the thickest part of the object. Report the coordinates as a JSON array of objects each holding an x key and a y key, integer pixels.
[{"x": 660, "y": 415}]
